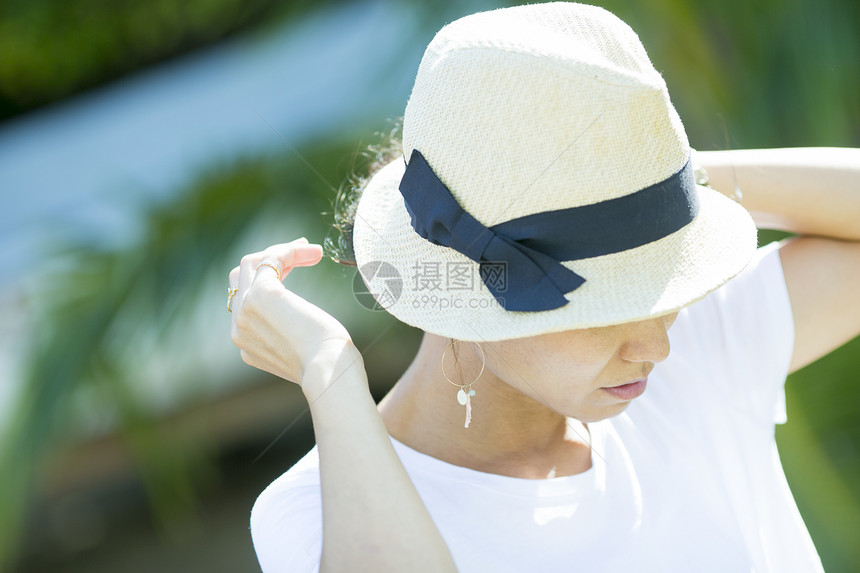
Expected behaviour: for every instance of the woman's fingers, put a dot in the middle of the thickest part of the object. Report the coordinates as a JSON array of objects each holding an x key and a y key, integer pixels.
[
  {"x": 294, "y": 254},
  {"x": 233, "y": 278},
  {"x": 275, "y": 262},
  {"x": 275, "y": 329},
  {"x": 247, "y": 268},
  {"x": 278, "y": 261},
  {"x": 272, "y": 265}
]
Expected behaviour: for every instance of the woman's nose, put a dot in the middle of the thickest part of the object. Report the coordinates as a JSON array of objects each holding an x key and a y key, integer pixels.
[{"x": 647, "y": 341}]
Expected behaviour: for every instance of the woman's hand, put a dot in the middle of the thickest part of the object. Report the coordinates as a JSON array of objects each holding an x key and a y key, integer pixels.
[{"x": 280, "y": 332}]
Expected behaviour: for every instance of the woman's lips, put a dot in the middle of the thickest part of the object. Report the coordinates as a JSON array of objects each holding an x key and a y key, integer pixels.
[{"x": 628, "y": 391}]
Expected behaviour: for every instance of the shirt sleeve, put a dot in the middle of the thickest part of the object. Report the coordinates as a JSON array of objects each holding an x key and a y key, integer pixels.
[
  {"x": 286, "y": 521},
  {"x": 749, "y": 325}
]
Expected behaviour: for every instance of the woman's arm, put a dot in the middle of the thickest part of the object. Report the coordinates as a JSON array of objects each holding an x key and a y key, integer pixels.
[
  {"x": 814, "y": 192},
  {"x": 373, "y": 518}
]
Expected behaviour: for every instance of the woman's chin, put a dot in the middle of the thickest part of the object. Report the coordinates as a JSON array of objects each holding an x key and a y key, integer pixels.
[{"x": 601, "y": 413}]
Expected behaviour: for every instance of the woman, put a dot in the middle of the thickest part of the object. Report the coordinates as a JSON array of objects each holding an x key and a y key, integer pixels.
[{"x": 544, "y": 228}]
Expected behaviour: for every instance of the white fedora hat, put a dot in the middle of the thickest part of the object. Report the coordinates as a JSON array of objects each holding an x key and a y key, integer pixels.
[{"x": 548, "y": 186}]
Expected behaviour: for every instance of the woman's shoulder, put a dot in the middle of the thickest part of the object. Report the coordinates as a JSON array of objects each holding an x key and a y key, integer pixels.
[
  {"x": 301, "y": 480},
  {"x": 290, "y": 508}
]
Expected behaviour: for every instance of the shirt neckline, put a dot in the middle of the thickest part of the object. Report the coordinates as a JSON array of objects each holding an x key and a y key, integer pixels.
[{"x": 578, "y": 485}]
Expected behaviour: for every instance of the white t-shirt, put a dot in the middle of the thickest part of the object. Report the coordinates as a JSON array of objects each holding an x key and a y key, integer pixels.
[{"x": 688, "y": 478}]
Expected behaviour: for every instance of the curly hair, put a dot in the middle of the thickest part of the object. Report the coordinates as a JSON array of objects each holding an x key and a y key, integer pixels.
[{"x": 338, "y": 244}]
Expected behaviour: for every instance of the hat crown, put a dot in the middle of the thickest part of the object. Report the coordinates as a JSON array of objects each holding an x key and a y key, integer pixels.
[
  {"x": 580, "y": 35},
  {"x": 543, "y": 107}
]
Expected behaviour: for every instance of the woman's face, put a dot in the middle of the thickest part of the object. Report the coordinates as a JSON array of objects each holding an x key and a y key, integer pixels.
[{"x": 588, "y": 374}]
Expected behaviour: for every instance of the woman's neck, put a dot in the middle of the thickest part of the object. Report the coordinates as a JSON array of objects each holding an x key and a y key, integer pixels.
[{"x": 509, "y": 434}]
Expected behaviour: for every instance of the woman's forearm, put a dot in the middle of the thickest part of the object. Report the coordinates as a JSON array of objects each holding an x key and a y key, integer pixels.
[
  {"x": 373, "y": 518},
  {"x": 809, "y": 191}
]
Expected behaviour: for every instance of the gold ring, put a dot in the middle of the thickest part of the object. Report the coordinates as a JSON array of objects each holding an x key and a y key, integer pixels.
[
  {"x": 269, "y": 264},
  {"x": 231, "y": 292}
]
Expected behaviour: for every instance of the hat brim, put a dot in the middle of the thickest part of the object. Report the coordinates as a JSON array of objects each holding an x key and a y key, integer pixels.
[{"x": 440, "y": 290}]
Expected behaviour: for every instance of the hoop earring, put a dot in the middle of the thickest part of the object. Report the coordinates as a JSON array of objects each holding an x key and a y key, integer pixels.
[{"x": 464, "y": 396}]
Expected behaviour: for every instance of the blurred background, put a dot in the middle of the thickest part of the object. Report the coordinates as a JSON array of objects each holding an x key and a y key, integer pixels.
[{"x": 145, "y": 146}]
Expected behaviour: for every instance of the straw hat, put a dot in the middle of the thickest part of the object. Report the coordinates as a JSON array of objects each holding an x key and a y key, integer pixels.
[{"x": 548, "y": 185}]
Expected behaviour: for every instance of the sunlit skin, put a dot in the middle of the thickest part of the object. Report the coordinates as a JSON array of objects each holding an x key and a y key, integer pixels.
[{"x": 529, "y": 390}]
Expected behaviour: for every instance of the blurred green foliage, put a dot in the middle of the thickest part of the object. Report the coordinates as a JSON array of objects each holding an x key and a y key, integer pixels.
[
  {"x": 99, "y": 306},
  {"x": 762, "y": 73},
  {"x": 51, "y": 49}
]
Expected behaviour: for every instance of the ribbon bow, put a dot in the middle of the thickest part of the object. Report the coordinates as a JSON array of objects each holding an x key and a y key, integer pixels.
[{"x": 531, "y": 247}]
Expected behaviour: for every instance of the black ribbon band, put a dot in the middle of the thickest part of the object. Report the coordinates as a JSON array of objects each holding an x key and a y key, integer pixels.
[{"x": 533, "y": 246}]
